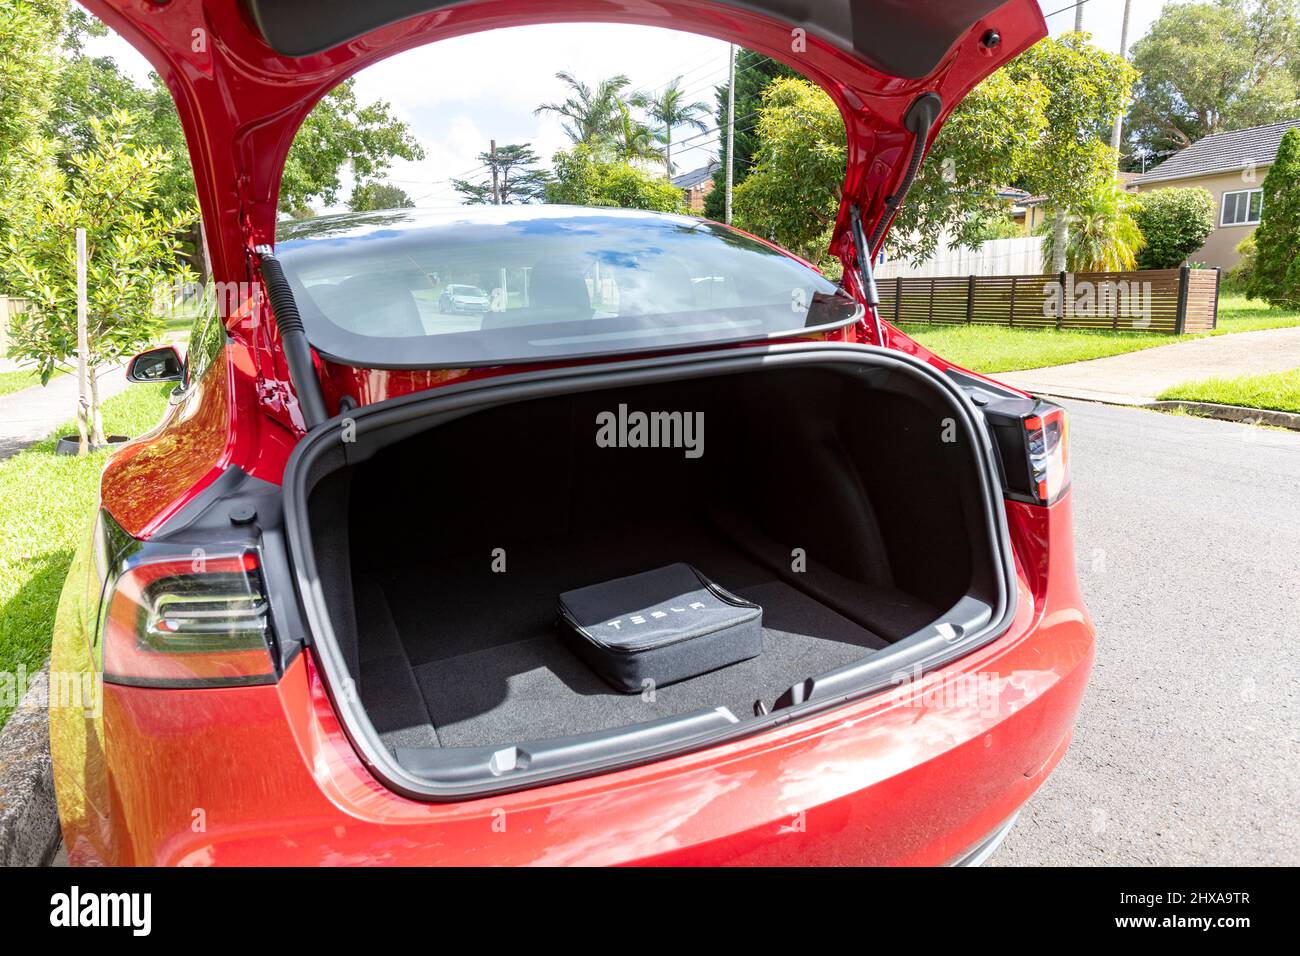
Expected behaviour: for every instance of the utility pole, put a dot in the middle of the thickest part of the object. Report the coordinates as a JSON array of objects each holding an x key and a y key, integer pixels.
[
  {"x": 1078, "y": 16},
  {"x": 731, "y": 125},
  {"x": 1117, "y": 129},
  {"x": 496, "y": 188}
]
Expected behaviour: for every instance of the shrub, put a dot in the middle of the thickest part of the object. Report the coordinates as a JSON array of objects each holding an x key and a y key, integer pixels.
[
  {"x": 1175, "y": 222},
  {"x": 1276, "y": 275},
  {"x": 585, "y": 176},
  {"x": 1237, "y": 279}
]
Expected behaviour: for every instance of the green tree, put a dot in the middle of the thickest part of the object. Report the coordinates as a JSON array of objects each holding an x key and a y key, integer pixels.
[
  {"x": 1087, "y": 88},
  {"x": 587, "y": 176},
  {"x": 1176, "y": 222},
  {"x": 132, "y": 249},
  {"x": 670, "y": 109},
  {"x": 28, "y": 68},
  {"x": 754, "y": 72},
  {"x": 792, "y": 194},
  {"x": 984, "y": 146},
  {"x": 338, "y": 132},
  {"x": 1210, "y": 67},
  {"x": 633, "y": 141},
  {"x": 371, "y": 196},
  {"x": 517, "y": 178},
  {"x": 1103, "y": 235},
  {"x": 1276, "y": 275},
  {"x": 590, "y": 113}
]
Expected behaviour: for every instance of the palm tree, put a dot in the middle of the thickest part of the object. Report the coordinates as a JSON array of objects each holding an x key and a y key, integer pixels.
[
  {"x": 633, "y": 140},
  {"x": 1103, "y": 235},
  {"x": 591, "y": 112},
  {"x": 671, "y": 110}
]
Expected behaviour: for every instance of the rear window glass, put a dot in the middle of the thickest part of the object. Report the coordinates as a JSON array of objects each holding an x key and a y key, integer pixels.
[{"x": 524, "y": 283}]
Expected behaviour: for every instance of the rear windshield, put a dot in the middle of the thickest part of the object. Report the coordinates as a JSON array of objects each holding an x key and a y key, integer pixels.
[{"x": 508, "y": 284}]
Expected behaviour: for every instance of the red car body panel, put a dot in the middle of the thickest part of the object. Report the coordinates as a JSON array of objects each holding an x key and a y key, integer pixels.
[
  {"x": 267, "y": 774},
  {"x": 916, "y": 775}
]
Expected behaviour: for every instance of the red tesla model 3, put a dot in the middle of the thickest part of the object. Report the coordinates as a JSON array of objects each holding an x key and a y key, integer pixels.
[{"x": 335, "y": 597}]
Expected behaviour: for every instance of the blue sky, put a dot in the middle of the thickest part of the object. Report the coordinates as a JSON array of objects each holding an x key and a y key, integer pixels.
[{"x": 460, "y": 93}]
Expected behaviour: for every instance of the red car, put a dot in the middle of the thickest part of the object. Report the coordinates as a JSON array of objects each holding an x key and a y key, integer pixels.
[{"x": 322, "y": 594}]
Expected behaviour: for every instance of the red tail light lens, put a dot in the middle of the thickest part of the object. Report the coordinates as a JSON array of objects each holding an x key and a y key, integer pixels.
[
  {"x": 1047, "y": 442},
  {"x": 200, "y": 621}
]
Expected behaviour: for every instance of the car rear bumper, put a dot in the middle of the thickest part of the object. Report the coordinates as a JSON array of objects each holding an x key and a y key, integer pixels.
[{"x": 925, "y": 773}]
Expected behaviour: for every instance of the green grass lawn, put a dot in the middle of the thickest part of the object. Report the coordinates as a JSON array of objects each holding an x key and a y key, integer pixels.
[
  {"x": 11, "y": 382},
  {"x": 994, "y": 348},
  {"x": 1279, "y": 391},
  {"x": 46, "y": 501}
]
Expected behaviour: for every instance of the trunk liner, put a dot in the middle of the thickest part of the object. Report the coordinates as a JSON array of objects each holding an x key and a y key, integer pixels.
[{"x": 458, "y": 656}]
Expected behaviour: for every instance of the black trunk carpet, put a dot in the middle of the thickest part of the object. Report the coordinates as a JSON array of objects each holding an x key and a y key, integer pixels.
[{"x": 457, "y": 654}]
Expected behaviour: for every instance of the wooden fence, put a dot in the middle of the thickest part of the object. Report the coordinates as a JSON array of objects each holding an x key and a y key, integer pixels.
[
  {"x": 1165, "y": 301},
  {"x": 9, "y": 307}
]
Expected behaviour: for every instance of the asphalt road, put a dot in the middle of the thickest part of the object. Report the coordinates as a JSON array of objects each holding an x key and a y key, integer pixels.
[{"x": 1187, "y": 748}]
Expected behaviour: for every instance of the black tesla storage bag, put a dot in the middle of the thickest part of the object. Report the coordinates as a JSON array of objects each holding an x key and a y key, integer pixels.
[{"x": 659, "y": 626}]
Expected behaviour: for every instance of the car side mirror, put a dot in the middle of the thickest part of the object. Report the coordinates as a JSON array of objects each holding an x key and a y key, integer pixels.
[{"x": 156, "y": 365}]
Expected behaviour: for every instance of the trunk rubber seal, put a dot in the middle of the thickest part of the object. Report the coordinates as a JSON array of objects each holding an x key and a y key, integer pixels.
[{"x": 553, "y": 761}]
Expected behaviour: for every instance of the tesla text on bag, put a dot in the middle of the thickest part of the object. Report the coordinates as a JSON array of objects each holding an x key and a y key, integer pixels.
[{"x": 624, "y": 429}]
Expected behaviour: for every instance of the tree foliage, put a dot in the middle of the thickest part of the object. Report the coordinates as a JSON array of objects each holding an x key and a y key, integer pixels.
[
  {"x": 754, "y": 72},
  {"x": 982, "y": 147},
  {"x": 1176, "y": 222},
  {"x": 589, "y": 113},
  {"x": 371, "y": 196},
  {"x": 589, "y": 176},
  {"x": 633, "y": 141},
  {"x": 340, "y": 131},
  {"x": 1086, "y": 89},
  {"x": 28, "y": 66},
  {"x": 1103, "y": 235},
  {"x": 518, "y": 178},
  {"x": 1214, "y": 66},
  {"x": 111, "y": 191},
  {"x": 670, "y": 109},
  {"x": 792, "y": 194},
  {"x": 1276, "y": 274}
]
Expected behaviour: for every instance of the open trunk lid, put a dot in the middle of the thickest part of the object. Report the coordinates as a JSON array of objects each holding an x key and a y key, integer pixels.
[{"x": 245, "y": 74}]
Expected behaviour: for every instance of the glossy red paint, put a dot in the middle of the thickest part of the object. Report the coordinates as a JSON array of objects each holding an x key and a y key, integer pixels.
[
  {"x": 267, "y": 775},
  {"x": 916, "y": 775}
]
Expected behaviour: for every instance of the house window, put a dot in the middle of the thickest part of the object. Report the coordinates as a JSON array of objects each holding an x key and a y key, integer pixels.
[{"x": 1241, "y": 208}]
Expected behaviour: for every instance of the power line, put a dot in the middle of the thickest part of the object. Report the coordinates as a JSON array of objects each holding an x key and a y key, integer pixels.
[{"x": 1064, "y": 9}]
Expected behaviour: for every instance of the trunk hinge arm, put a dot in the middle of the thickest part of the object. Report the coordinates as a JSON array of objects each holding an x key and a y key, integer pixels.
[{"x": 866, "y": 274}]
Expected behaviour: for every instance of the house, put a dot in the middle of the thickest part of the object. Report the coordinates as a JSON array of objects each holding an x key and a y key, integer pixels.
[
  {"x": 1232, "y": 166},
  {"x": 1027, "y": 211},
  {"x": 697, "y": 184}
]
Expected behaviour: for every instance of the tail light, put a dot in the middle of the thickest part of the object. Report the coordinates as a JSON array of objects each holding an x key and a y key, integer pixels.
[
  {"x": 1033, "y": 444},
  {"x": 195, "y": 621},
  {"x": 1047, "y": 445}
]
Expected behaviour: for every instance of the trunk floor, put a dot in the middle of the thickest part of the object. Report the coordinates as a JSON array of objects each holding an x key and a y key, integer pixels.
[{"x": 459, "y": 656}]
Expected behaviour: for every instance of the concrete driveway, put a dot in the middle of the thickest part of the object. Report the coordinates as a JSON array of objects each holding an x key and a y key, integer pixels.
[
  {"x": 1136, "y": 378},
  {"x": 1187, "y": 749},
  {"x": 30, "y": 415}
]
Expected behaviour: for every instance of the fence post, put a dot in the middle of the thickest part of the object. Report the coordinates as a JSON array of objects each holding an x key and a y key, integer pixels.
[
  {"x": 930, "y": 315},
  {"x": 1214, "y": 316},
  {"x": 1011, "y": 309},
  {"x": 898, "y": 297},
  {"x": 970, "y": 299},
  {"x": 1180, "y": 317},
  {"x": 1060, "y": 313}
]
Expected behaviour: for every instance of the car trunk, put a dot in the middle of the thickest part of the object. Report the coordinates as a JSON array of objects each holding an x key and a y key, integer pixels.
[{"x": 844, "y": 499}]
